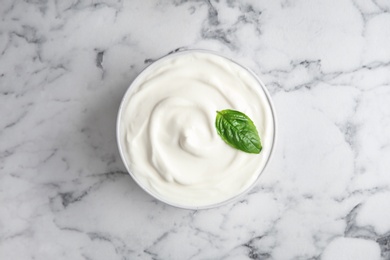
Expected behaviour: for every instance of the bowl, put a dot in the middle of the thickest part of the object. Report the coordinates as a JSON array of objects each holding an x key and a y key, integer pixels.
[{"x": 166, "y": 136}]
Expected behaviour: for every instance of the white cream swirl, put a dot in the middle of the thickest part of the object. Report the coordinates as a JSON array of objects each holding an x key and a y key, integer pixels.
[{"x": 167, "y": 129}]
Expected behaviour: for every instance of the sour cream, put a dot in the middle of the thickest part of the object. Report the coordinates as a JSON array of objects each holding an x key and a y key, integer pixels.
[{"x": 167, "y": 135}]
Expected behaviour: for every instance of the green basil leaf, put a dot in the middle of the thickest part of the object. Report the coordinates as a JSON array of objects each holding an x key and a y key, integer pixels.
[{"x": 238, "y": 131}]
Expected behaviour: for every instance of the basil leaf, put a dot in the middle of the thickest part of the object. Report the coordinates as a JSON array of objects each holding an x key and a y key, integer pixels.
[{"x": 238, "y": 131}]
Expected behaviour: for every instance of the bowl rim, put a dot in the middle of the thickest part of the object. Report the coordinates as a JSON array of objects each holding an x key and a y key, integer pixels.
[{"x": 179, "y": 52}]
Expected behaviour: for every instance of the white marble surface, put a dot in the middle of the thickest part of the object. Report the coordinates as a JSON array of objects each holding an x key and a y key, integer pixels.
[{"x": 64, "y": 193}]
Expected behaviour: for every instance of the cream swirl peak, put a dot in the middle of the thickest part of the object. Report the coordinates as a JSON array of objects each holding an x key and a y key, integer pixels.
[{"x": 167, "y": 135}]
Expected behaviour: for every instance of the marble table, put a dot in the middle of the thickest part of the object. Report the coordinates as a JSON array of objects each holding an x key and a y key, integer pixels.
[{"x": 64, "y": 191}]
